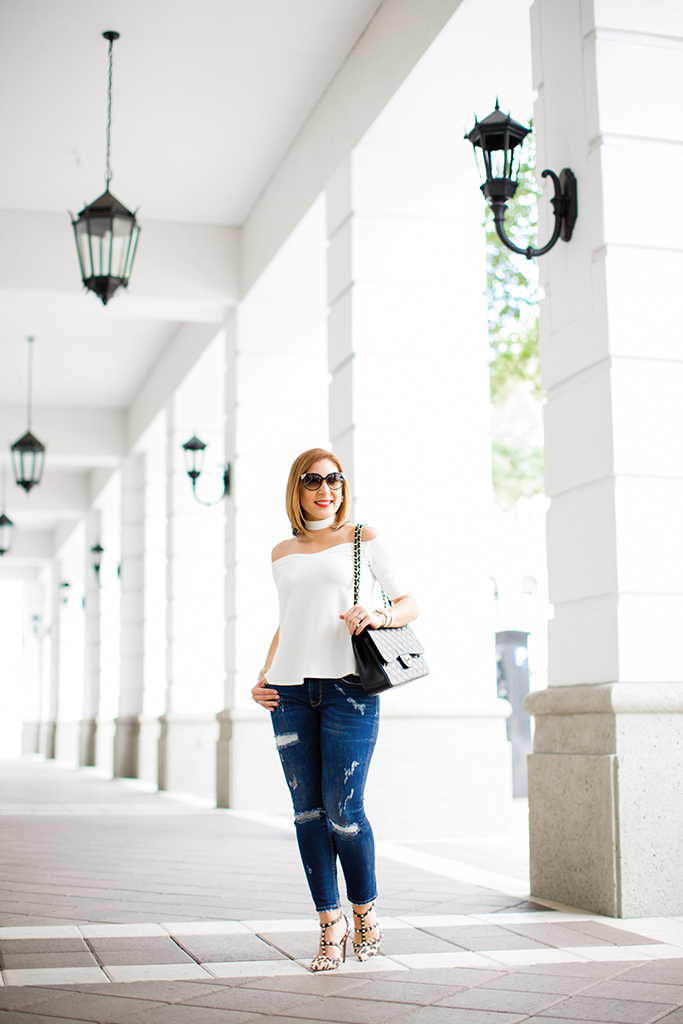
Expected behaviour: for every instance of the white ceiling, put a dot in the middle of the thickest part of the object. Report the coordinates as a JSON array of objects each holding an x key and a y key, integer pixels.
[
  {"x": 82, "y": 358},
  {"x": 208, "y": 96}
]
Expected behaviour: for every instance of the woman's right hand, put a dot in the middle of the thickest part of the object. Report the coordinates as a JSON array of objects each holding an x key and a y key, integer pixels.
[{"x": 264, "y": 694}]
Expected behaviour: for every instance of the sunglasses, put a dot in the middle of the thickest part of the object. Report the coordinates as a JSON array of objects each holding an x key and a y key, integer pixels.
[{"x": 314, "y": 481}]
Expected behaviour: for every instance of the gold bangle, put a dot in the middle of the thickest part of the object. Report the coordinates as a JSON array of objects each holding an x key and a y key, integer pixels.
[{"x": 383, "y": 616}]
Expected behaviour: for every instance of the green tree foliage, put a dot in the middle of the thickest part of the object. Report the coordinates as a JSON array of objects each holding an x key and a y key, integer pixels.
[{"x": 513, "y": 297}]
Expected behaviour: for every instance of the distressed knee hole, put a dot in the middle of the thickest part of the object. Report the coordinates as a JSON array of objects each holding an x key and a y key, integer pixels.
[
  {"x": 286, "y": 740},
  {"x": 303, "y": 816},
  {"x": 345, "y": 830}
]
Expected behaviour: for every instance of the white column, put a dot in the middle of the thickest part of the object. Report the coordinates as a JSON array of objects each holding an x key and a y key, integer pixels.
[
  {"x": 409, "y": 414},
  {"x": 32, "y": 669},
  {"x": 132, "y": 616},
  {"x": 155, "y": 610},
  {"x": 71, "y": 645},
  {"x": 109, "y": 504},
  {"x": 276, "y": 380},
  {"x": 50, "y": 697},
  {"x": 607, "y": 774},
  {"x": 91, "y": 682},
  {"x": 195, "y": 583}
]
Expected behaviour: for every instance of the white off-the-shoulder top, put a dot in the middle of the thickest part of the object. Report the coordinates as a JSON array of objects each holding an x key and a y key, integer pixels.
[{"x": 314, "y": 590}]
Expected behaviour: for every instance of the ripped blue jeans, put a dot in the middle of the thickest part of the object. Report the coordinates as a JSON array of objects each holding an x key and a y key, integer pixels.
[{"x": 325, "y": 732}]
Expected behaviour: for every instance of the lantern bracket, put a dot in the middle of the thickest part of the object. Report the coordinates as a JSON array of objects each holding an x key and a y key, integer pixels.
[{"x": 564, "y": 205}]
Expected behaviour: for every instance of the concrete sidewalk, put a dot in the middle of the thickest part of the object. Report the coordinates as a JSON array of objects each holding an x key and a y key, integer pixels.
[{"x": 118, "y": 905}]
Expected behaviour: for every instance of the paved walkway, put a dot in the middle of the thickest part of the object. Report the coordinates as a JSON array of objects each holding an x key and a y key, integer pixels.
[{"x": 118, "y": 905}]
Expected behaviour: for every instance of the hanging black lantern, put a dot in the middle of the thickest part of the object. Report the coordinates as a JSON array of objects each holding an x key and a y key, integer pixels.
[
  {"x": 8, "y": 532},
  {"x": 106, "y": 231},
  {"x": 28, "y": 453},
  {"x": 499, "y": 138}
]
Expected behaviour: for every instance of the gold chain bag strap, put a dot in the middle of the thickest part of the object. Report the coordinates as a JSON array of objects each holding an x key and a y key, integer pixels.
[{"x": 388, "y": 656}]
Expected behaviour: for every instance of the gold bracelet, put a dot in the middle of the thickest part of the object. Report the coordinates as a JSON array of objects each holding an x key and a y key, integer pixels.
[{"x": 383, "y": 616}]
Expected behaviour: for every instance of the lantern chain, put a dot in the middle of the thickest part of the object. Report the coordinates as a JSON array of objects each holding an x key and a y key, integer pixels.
[
  {"x": 108, "y": 173},
  {"x": 29, "y": 397}
]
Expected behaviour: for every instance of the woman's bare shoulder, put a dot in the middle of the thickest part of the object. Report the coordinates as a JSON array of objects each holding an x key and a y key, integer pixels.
[
  {"x": 370, "y": 532},
  {"x": 285, "y": 547}
]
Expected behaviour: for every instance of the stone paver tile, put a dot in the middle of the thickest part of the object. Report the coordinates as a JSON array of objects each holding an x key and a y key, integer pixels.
[
  {"x": 324, "y": 983},
  {"x": 407, "y": 992},
  {"x": 16, "y": 1017},
  {"x": 16, "y": 998},
  {"x": 673, "y": 1018},
  {"x": 556, "y": 934},
  {"x": 579, "y": 969},
  {"x": 663, "y": 972},
  {"x": 560, "y": 986},
  {"x": 176, "y": 991},
  {"x": 448, "y": 1015},
  {"x": 89, "y": 1006},
  {"x": 230, "y": 948},
  {"x": 55, "y": 976},
  {"x": 504, "y": 940},
  {"x": 157, "y": 972},
  {"x": 252, "y": 1000},
  {"x": 543, "y": 1019},
  {"x": 648, "y": 992},
  {"x": 346, "y": 1011},
  {"x": 603, "y": 931},
  {"x": 462, "y": 977},
  {"x": 413, "y": 941},
  {"x": 130, "y": 942},
  {"x": 26, "y": 961},
  {"x": 504, "y": 1001},
  {"x": 139, "y": 956},
  {"x": 181, "y": 1013},
  {"x": 72, "y": 945},
  {"x": 614, "y": 1011}
]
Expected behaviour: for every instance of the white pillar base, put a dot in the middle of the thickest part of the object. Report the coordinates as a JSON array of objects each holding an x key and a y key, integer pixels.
[
  {"x": 30, "y": 738},
  {"x": 87, "y": 742},
  {"x": 67, "y": 740},
  {"x": 187, "y": 754},
  {"x": 249, "y": 775},
  {"x": 148, "y": 749},
  {"x": 605, "y": 792},
  {"x": 126, "y": 740}
]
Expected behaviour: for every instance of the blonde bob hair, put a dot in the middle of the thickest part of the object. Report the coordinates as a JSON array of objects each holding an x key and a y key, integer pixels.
[{"x": 295, "y": 513}]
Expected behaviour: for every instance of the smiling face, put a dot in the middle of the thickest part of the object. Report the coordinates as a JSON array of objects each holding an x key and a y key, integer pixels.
[{"x": 323, "y": 503}]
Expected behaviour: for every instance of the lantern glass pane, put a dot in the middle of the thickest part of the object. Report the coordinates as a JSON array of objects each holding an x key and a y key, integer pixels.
[
  {"x": 120, "y": 246},
  {"x": 194, "y": 459},
  {"x": 28, "y": 466},
  {"x": 7, "y": 530},
  {"x": 101, "y": 248},
  {"x": 84, "y": 252}
]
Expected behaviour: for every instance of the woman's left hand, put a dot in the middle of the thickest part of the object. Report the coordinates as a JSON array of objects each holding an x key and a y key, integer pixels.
[{"x": 358, "y": 618}]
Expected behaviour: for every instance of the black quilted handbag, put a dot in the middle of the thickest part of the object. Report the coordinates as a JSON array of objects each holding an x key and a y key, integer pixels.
[{"x": 386, "y": 657}]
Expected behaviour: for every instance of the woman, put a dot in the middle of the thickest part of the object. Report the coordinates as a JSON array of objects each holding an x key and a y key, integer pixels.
[{"x": 325, "y": 725}]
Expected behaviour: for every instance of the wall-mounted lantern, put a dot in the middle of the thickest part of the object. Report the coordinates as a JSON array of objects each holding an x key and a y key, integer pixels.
[
  {"x": 8, "y": 532},
  {"x": 97, "y": 552},
  {"x": 28, "y": 453},
  {"x": 39, "y": 630},
  {"x": 194, "y": 463},
  {"x": 64, "y": 591},
  {"x": 499, "y": 137},
  {"x": 106, "y": 231}
]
